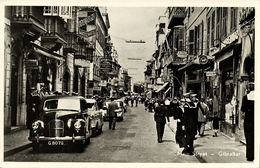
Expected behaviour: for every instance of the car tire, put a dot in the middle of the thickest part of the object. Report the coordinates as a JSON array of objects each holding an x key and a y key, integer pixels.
[
  {"x": 36, "y": 147},
  {"x": 80, "y": 147},
  {"x": 95, "y": 131},
  {"x": 100, "y": 130}
]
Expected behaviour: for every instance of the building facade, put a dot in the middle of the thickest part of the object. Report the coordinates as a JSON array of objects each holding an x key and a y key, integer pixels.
[
  {"x": 208, "y": 51},
  {"x": 48, "y": 49}
]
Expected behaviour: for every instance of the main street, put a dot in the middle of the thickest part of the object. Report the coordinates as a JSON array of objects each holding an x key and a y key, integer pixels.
[{"x": 134, "y": 140}]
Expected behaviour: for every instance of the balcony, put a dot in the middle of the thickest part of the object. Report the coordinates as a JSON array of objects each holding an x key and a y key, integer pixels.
[
  {"x": 82, "y": 52},
  {"x": 55, "y": 30},
  {"x": 29, "y": 17},
  {"x": 176, "y": 16},
  {"x": 71, "y": 45}
]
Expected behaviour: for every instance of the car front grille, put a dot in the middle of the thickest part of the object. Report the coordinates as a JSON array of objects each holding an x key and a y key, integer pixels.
[{"x": 56, "y": 128}]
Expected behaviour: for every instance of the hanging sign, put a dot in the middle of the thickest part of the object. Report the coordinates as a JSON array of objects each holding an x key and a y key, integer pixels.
[
  {"x": 203, "y": 59},
  {"x": 86, "y": 20}
]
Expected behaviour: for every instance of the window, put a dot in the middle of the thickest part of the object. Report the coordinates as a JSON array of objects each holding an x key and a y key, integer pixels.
[
  {"x": 212, "y": 29},
  {"x": 192, "y": 9},
  {"x": 197, "y": 39},
  {"x": 191, "y": 42},
  {"x": 47, "y": 10},
  {"x": 218, "y": 25},
  {"x": 224, "y": 22},
  {"x": 233, "y": 25},
  {"x": 201, "y": 32},
  {"x": 208, "y": 34}
]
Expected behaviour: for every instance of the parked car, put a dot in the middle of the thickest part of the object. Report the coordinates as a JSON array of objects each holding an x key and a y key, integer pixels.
[
  {"x": 62, "y": 120},
  {"x": 96, "y": 117},
  {"x": 120, "y": 111},
  {"x": 122, "y": 104}
]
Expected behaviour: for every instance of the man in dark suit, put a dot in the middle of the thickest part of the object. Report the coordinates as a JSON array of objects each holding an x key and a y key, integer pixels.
[
  {"x": 247, "y": 107},
  {"x": 112, "y": 106},
  {"x": 190, "y": 117},
  {"x": 160, "y": 115}
]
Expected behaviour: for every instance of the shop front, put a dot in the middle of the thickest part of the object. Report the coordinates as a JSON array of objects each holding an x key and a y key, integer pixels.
[{"x": 226, "y": 66}]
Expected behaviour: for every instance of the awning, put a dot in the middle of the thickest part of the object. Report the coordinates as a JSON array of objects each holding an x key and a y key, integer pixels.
[
  {"x": 43, "y": 51},
  {"x": 162, "y": 87}
]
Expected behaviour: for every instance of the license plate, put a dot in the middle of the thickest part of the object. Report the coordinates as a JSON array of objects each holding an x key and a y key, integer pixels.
[{"x": 55, "y": 143}]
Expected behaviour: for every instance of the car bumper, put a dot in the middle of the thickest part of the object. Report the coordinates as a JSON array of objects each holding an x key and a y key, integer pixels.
[{"x": 66, "y": 139}]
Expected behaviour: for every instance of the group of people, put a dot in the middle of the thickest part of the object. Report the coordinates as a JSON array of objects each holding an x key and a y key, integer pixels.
[
  {"x": 190, "y": 114},
  {"x": 133, "y": 100}
]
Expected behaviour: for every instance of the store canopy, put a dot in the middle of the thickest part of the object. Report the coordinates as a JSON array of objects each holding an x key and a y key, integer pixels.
[
  {"x": 45, "y": 52},
  {"x": 162, "y": 87}
]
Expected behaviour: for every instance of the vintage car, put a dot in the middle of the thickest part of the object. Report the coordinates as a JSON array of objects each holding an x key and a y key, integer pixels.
[
  {"x": 119, "y": 111},
  {"x": 96, "y": 118},
  {"x": 62, "y": 120}
]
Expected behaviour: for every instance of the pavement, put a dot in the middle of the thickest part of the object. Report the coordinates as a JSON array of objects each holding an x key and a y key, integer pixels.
[
  {"x": 208, "y": 149},
  {"x": 16, "y": 141},
  {"x": 220, "y": 149}
]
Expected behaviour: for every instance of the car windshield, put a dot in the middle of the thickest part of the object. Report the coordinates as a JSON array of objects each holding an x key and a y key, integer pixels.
[
  {"x": 90, "y": 105},
  {"x": 62, "y": 104}
]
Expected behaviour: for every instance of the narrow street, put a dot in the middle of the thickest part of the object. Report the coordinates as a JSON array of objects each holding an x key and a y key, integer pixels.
[{"x": 134, "y": 140}]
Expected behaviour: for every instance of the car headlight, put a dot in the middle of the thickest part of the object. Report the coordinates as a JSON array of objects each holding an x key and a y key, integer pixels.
[
  {"x": 78, "y": 124},
  {"x": 37, "y": 125},
  {"x": 69, "y": 123}
]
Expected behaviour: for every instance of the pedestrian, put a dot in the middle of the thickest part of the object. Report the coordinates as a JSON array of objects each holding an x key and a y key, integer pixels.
[
  {"x": 136, "y": 101},
  {"x": 248, "y": 108},
  {"x": 160, "y": 115},
  {"x": 190, "y": 118},
  {"x": 112, "y": 106},
  {"x": 180, "y": 134},
  {"x": 216, "y": 115},
  {"x": 132, "y": 101},
  {"x": 146, "y": 103},
  {"x": 202, "y": 113}
]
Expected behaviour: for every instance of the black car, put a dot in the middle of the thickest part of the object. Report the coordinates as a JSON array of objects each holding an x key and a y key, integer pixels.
[{"x": 62, "y": 120}]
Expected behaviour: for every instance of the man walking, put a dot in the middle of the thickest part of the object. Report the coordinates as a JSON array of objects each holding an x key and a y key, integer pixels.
[
  {"x": 202, "y": 111},
  {"x": 160, "y": 113},
  {"x": 112, "y": 106},
  {"x": 190, "y": 118},
  {"x": 248, "y": 108}
]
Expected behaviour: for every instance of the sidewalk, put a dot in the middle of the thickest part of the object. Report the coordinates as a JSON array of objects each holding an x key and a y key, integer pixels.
[
  {"x": 16, "y": 141},
  {"x": 221, "y": 149}
]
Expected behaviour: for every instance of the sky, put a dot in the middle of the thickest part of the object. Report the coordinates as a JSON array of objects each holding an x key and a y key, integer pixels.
[{"x": 134, "y": 23}]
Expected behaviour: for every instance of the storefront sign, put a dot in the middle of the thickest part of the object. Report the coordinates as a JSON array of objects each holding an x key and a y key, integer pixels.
[
  {"x": 31, "y": 63},
  {"x": 105, "y": 65},
  {"x": 211, "y": 73},
  {"x": 182, "y": 54},
  {"x": 97, "y": 88}
]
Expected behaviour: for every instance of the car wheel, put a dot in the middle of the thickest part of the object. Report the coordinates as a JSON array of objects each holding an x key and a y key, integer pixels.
[
  {"x": 36, "y": 147},
  {"x": 79, "y": 147},
  {"x": 100, "y": 130}
]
